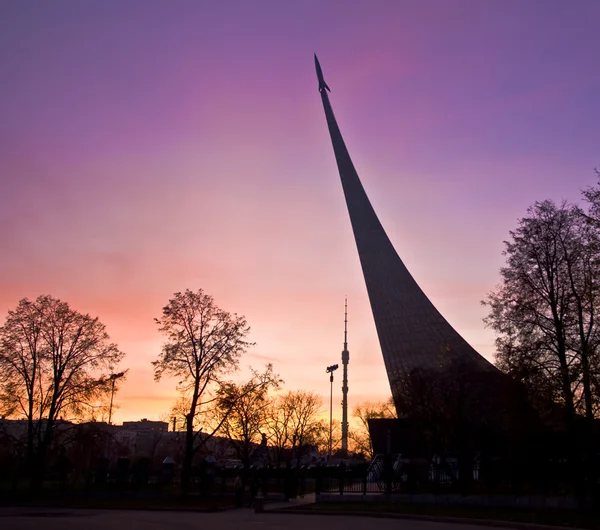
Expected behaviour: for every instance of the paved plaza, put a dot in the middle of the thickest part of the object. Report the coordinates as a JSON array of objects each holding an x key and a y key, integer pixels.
[{"x": 243, "y": 519}]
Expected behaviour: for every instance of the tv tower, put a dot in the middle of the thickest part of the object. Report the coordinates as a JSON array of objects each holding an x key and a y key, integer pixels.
[{"x": 345, "y": 361}]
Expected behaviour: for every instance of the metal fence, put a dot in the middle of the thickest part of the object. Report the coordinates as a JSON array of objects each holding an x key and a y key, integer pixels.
[
  {"x": 163, "y": 484},
  {"x": 388, "y": 474}
]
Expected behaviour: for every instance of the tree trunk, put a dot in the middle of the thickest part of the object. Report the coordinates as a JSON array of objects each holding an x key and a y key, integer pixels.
[
  {"x": 188, "y": 457},
  {"x": 40, "y": 457},
  {"x": 587, "y": 389},
  {"x": 564, "y": 367},
  {"x": 31, "y": 464}
]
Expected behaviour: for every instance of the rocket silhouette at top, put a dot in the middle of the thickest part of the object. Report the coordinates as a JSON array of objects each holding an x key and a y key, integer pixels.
[{"x": 322, "y": 83}]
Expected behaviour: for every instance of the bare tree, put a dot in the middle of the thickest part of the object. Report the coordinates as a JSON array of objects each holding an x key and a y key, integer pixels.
[
  {"x": 204, "y": 344},
  {"x": 592, "y": 216},
  {"x": 295, "y": 423},
  {"x": 363, "y": 412},
  {"x": 55, "y": 362},
  {"x": 545, "y": 310},
  {"x": 240, "y": 411}
]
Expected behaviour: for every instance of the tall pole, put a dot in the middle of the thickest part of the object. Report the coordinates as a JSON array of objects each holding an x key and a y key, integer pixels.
[
  {"x": 345, "y": 361},
  {"x": 330, "y": 412},
  {"x": 330, "y": 370},
  {"x": 113, "y": 378},
  {"x": 112, "y": 395}
]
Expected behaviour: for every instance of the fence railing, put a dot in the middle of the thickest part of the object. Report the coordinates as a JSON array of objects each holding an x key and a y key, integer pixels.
[
  {"x": 388, "y": 474},
  {"x": 209, "y": 483}
]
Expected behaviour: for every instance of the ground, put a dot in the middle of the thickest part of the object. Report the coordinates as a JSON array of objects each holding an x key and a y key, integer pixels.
[{"x": 244, "y": 519}]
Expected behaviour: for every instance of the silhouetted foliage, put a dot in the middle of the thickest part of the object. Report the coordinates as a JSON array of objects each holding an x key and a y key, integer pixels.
[
  {"x": 545, "y": 311},
  {"x": 359, "y": 433},
  {"x": 55, "y": 362},
  {"x": 241, "y": 412},
  {"x": 204, "y": 343},
  {"x": 295, "y": 423}
]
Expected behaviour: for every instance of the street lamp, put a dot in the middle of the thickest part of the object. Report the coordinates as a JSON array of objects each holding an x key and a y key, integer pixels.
[
  {"x": 330, "y": 370},
  {"x": 113, "y": 378}
]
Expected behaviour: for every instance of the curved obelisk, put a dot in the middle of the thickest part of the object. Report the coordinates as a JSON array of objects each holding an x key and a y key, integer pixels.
[{"x": 412, "y": 333}]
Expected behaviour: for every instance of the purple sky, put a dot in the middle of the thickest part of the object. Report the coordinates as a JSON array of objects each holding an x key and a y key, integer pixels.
[{"x": 147, "y": 147}]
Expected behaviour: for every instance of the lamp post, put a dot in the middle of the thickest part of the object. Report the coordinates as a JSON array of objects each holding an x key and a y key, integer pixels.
[
  {"x": 113, "y": 378},
  {"x": 330, "y": 370}
]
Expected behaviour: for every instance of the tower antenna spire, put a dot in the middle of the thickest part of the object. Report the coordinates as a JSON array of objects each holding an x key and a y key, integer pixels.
[
  {"x": 346, "y": 323},
  {"x": 345, "y": 361}
]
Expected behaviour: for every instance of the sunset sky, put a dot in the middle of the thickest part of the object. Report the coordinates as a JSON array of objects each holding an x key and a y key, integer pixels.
[{"x": 148, "y": 146}]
